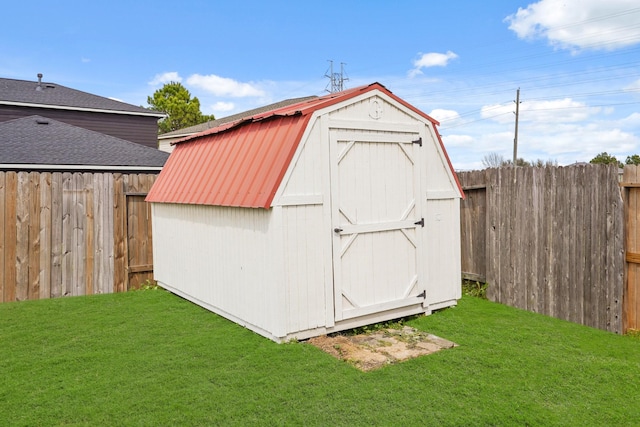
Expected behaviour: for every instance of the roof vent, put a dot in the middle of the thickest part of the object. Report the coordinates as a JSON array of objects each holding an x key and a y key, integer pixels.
[
  {"x": 42, "y": 121},
  {"x": 39, "y": 87}
]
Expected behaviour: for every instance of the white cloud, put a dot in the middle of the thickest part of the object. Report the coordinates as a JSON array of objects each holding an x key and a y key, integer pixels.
[
  {"x": 501, "y": 113},
  {"x": 85, "y": 60},
  {"x": 161, "y": 79},
  {"x": 222, "y": 86},
  {"x": 580, "y": 143},
  {"x": 633, "y": 87},
  {"x": 457, "y": 140},
  {"x": 579, "y": 24},
  {"x": 433, "y": 59},
  {"x": 555, "y": 111},
  {"x": 442, "y": 115},
  {"x": 633, "y": 120},
  {"x": 223, "y": 106}
]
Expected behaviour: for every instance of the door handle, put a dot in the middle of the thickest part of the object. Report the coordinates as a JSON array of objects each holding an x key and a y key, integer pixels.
[{"x": 337, "y": 230}]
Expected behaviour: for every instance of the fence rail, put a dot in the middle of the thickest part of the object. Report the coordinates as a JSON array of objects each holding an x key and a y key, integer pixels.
[
  {"x": 64, "y": 233},
  {"x": 548, "y": 240}
]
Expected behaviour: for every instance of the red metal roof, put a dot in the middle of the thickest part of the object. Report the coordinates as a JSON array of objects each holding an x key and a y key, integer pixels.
[{"x": 242, "y": 163}]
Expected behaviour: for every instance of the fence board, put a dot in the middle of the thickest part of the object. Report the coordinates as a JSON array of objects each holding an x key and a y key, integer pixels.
[
  {"x": 22, "y": 237},
  {"x": 67, "y": 234},
  {"x": 33, "y": 290},
  {"x": 119, "y": 233},
  {"x": 89, "y": 234},
  {"x": 44, "y": 274},
  {"x": 554, "y": 241},
  {"x": 579, "y": 254},
  {"x": 79, "y": 222},
  {"x": 615, "y": 259},
  {"x": 11, "y": 190},
  {"x": 109, "y": 227},
  {"x": 493, "y": 235},
  {"x": 56, "y": 235}
]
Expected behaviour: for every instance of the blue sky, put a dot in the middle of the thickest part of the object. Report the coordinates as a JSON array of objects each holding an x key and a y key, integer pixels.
[{"x": 576, "y": 62}]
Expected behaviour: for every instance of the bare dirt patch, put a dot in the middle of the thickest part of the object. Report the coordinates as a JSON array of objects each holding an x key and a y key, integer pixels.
[{"x": 379, "y": 348}]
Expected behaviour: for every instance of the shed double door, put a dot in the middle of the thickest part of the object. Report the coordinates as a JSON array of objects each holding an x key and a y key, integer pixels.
[{"x": 377, "y": 218}]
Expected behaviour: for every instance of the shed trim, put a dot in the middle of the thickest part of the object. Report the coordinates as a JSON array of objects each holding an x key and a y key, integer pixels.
[
  {"x": 441, "y": 194},
  {"x": 300, "y": 200},
  {"x": 374, "y": 126}
]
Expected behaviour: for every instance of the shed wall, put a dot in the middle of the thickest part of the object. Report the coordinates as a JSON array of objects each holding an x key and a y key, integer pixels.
[
  {"x": 222, "y": 257},
  {"x": 261, "y": 268},
  {"x": 442, "y": 254}
]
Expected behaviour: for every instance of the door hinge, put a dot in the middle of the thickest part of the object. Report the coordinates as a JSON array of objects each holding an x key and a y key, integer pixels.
[
  {"x": 418, "y": 141},
  {"x": 422, "y": 295},
  {"x": 421, "y": 222}
]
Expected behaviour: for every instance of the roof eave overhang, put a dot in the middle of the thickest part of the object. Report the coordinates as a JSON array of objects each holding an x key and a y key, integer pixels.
[
  {"x": 180, "y": 136},
  {"x": 42, "y": 166},
  {"x": 155, "y": 114}
]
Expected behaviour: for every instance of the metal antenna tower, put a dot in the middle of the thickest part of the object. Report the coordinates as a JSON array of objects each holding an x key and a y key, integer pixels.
[{"x": 336, "y": 80}]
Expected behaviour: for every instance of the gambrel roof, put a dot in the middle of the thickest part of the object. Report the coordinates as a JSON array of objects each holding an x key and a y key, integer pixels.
[{"x": 243, "y": 162}]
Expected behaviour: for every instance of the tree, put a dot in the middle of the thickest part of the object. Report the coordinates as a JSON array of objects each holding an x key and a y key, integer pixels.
[
  {"x": 493, "y": 160},
  {"x": 632, "y": 160},
  {"x": 605, "y": 158},
  {"x": 183, "y": 111},
  {"x": 519, "y": 162}
]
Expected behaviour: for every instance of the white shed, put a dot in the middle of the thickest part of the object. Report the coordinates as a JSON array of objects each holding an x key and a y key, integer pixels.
[{"x": 325, "y": 215}]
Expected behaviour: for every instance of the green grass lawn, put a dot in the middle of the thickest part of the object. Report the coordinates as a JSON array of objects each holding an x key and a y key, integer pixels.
[{"x": 151, "y": 358}]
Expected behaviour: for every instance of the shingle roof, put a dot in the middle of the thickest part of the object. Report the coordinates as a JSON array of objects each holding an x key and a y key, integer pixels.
[
  {"x": 235, "y": 117},
  {"x": 52, "y": 95},
  {"x": 37, "y": 140}
]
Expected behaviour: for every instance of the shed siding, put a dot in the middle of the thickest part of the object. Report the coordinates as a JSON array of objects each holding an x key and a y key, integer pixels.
[
  {"x": 441, "y": 182},
  {"x": 373, "y": 109},
  {"x": 442, "y": 225},
  {"x": 304, "y": 267},
  {"x": 304, "y": 176},
  {"x": 222, "y": 257}
]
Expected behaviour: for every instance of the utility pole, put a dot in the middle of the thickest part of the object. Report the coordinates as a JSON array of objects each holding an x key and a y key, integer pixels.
[
  {"x": 336, "y": 80},
  {"x": 515, "y": 139}
]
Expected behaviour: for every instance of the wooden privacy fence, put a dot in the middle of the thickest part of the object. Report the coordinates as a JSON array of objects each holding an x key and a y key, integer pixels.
[
  {"x": 631, "y": 192},
  {"x": 548, "y": 240},
  {"x": 73, "y": 233}
]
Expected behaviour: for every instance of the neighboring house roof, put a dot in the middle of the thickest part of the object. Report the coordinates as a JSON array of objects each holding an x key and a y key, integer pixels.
[
  {"x": 235, "y": 117},
  {"x": 242, "y": 163},
  {"x": 52, "y": 95},
  {"x": 36, "y": 142}
]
